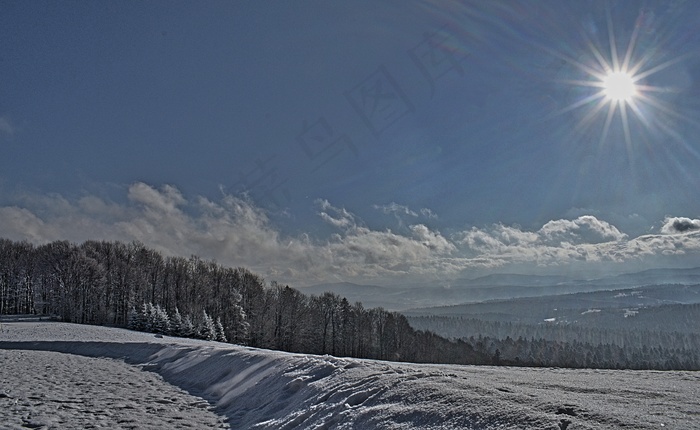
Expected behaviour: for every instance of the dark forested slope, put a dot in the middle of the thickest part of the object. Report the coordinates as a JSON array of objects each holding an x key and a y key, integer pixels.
[{"x": 112, "y": 283}]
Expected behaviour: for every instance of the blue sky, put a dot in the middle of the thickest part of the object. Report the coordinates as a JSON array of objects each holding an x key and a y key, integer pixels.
[{"x": 373, "y": 142}]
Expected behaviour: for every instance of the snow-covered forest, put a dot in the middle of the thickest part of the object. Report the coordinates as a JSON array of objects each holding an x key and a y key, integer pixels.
[
  {"x": 129, "y": 285},
  {"x": 117, "y": 284}
]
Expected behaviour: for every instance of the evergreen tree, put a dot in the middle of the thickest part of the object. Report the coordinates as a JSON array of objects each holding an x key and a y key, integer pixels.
[
  {"x": 142, "y": 316},
  {"x": 135, "y": 320},
  {"x": 207, "y": 329},
  {"x": 161, "y": 321},
  {"x": 176, "y": 324},
  {"x": 219, "y": 328},
  {"x": 187, "y": 329},
  {"x": 148, "y": 311},
  {"x": 240, "y": 327}
]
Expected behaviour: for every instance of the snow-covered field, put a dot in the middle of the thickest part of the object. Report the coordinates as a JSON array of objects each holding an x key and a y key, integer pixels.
[{"x": 57, "y": 375}]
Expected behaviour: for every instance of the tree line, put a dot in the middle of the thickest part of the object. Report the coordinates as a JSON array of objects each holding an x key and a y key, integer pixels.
[
  {"x": 628, "y": 335},
  {"x": 154, "y": 319},
  {"x": 574, "y": 354},
  {"x": 130, "y": 285},
  {"x": 571, "y": 345}
]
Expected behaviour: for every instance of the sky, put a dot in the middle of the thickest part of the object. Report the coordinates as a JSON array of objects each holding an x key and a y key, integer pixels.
[{"x": 377, "y": 142}]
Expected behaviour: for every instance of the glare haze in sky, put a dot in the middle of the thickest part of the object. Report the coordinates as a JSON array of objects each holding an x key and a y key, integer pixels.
[{"x": 372, "y": 142}]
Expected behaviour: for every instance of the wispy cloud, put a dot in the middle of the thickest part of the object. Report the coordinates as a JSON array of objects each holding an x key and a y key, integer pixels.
[
  {"x": 401, "y": 212},
  {"x": 337, "y": 217},
  {"x": 235, "y": 232},
  {"x": 428, "y": 213},
  {"x": 395, "y": 208}
]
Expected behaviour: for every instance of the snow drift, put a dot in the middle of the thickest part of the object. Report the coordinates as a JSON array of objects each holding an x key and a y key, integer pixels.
[{"x": 261, "y": 389}]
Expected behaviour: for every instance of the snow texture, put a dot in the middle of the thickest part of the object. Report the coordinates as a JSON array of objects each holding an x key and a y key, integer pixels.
[
  {"x": 41, "y": 389},
  {"x": 56, "y": 375}
]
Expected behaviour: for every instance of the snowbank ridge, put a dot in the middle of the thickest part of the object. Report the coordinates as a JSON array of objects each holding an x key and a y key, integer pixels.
[{"x": 258, "y": 389}]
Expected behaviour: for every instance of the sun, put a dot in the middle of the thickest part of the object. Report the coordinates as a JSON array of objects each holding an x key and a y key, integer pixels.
[
  {"x": 619, "y": 86},
  {"x": 611, "y": 84}
]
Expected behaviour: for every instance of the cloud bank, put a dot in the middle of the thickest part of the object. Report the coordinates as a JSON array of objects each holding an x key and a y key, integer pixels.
[{"x": 235, "y": 232}]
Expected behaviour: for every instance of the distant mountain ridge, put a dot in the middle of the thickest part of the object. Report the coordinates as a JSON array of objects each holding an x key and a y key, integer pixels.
[
  {"x": 509, "y": 279},
  {"x": 537, "y": 309},
  {"x": 497, "y": 287}
]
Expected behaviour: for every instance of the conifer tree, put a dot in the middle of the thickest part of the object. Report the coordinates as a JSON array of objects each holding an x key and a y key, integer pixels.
[
  {"x": 176, "y": 324},
  {"x": 187, "y": 329},
  {"x": 219, "y": 327},
  {"x": 207, "y": 329},
  {"x": 149, "y": 317},
  {"x": 240, "y": 327},
  {"x": 141, "y": 318},
  {"x": 135, "y": 321},
  {"x": 161, "y": 321}
]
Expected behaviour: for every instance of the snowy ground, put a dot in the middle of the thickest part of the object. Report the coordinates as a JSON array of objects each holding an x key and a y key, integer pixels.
[
  {"x": 56, "y": 375},
  {"x": 50, "y": 389}
]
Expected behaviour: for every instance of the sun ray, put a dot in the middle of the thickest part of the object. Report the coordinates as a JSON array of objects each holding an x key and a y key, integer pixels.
[
  {"x": 577, "y": 104},
  {"x": 634, "y": 105},
  {"x": 582, "y": 83},
  {"x": 630, "y": 49},
  {"x": 612, "y": 40},
  {"x": 628, "y": 138},
  {"x": 591, "y": 71},
  {"x": 604, "y": 65},
  {"x": 667, "y": 110},
  {"x": 606, "y": 128},
  {"x": 661, "y": 66},
  {"x": 652, "y": 89},
  {"x": 592, "y": 114},
  {"x": 626, "y": 128}
]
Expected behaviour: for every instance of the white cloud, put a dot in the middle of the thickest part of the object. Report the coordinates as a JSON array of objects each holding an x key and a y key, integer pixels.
[
  {"x": 428, "y": 213},
  {"x": 235, "y": 232},
  {"x": 432, "y": 239},
  {"x": 400, "y": 212},
  {"x": 165, "y": 201},
  {"x": 21, "y": 224},
  {"x": 396, "y": 209},
  {"x": 584, "y": 229},
  {"x": 337, "y": 217},
  {"x": 674, "y": 225},
  {"x": 585, "y": 239}
]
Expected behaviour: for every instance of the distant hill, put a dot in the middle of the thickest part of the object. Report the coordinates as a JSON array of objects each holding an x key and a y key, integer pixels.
[
  {"x": 657, "y": 276},
  {"x": 569, "y": 307},
  {"x": 497, "y": 287},
  {"x": 510, "y": 279}
]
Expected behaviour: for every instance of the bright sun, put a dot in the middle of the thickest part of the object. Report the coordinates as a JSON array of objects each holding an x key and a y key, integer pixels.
[{"x": 619, "y": 86}]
